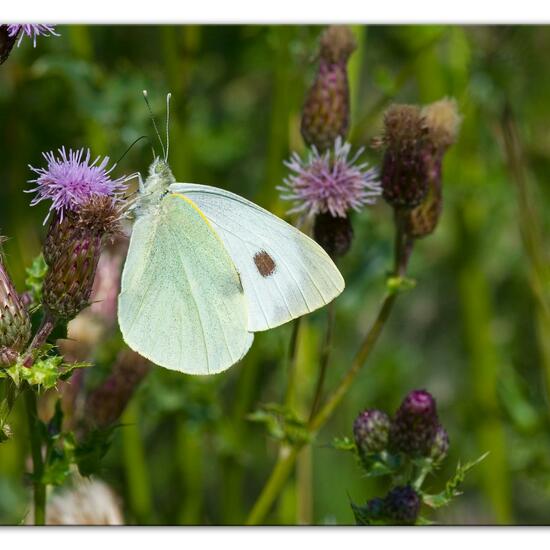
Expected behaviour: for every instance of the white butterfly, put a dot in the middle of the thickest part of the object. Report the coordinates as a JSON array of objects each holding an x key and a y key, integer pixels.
[{"x": 207, "y": 268}]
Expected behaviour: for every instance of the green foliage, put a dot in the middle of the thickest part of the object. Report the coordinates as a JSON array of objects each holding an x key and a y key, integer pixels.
[
  {"x": 452, "y": 487},
  {"x": 44, "y": 373},
  {"x": 475, "y": 326},
  {"x": 35, "y": 279},
  {"x": 400, "y": 284},
  {"x": 281, "y": 423}
]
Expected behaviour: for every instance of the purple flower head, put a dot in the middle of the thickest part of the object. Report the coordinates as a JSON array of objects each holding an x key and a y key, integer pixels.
[
  {"x": 370, "y": 430},
  {"x": 330, "y": 182},
  {"x": 70, "y": 180},
  {"x": 415, "y": 424},
  {"x": 419, "y": 402},
  {"x": 401, "y": 505},
  {"x": 32, "y": 31}
]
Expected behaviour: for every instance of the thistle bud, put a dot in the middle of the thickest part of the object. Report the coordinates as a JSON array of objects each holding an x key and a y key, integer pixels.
[
  {"x": 405, "y": 170},
  {"x": 107, "y": 402},
  {"x": 415, "y": 424},
  {"x": 15, "y": 326},
  {"x": 7, "y": 41},
  {"x": 334, "y": 234},
  {"x": 325, "y": 114},
  {"x": 370, "y": 430},
  {"x": 442, "y": 123},
  {"x": 71, "y": 250},
  {"x": 440, "y": 445},
  {"x": 422, "y": 220},
  {"x": 402, "y": 505}
]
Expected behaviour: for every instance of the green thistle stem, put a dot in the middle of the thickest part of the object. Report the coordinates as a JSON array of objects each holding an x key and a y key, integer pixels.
[
  {"x": 323, "y": 363},
  {"x": 291, "y": 362},
  {"x": 279, "y": 475},
  {"x": 39, "y": 488},
  {"x": 287, "y": 455},
  {"x": 38, "y": 464}
]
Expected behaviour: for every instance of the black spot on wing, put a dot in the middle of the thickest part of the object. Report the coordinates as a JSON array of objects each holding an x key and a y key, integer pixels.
[{"x": 265, "y": 264}]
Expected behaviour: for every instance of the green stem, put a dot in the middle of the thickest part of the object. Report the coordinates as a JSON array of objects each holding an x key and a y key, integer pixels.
[
  {"x": 324, "y": 360},
  {"x": 360, "y": 358},
  {"x": 279, "y": 475},
  {"x": 291, "y": 363},
  {"x": 39, "y": 488},
  {"x": 137, "y": 472}
]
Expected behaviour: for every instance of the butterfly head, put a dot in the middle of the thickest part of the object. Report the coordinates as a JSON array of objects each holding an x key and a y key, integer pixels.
[
  {"x": 160, "y": 176},
  {"x": 160, "y": 170}
]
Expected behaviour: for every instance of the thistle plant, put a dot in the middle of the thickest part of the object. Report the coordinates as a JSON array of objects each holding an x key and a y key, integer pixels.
[
  {"x": 407, "y": 449},
  {"x": 414, "y": 142},
  {"x": 326, "y": 187},
  {"x": 85, "y": 213},
  {"x": 330, "y": 181}
]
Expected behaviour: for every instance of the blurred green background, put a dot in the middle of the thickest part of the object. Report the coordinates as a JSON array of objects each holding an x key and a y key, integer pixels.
[{"x": 475, "y": 331}]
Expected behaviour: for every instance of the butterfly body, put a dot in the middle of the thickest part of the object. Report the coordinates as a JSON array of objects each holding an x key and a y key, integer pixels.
[{"x": 206, "y": 269}]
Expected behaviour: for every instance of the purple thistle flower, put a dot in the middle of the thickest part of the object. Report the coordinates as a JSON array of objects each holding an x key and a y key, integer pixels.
[
  {"x": 330, "y": 182},
  {"x": 70, "y": 180},
  {"x": 415, "y": 424},
  {"x": 32, "y": 31}
]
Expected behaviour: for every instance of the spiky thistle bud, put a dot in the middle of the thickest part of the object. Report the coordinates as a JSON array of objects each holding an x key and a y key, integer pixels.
[
  {"x": 107, "y": 402},
  {"x": 370, "y": 430},
  {"x": 402, "y": 505},
  {"x": 414, "y": 425},
  {"x": 325, "y": 114},
  {"x": 15, "y": 325},
  {"x": 440, "y": 445},
  {"x": 7, "y": 41},
  {"x": 405, "y": 170},
  {"x": 442, "y": 122},
  {"x": 72, "y": 251}
]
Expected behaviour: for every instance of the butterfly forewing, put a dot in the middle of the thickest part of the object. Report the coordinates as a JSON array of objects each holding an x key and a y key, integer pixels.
[{"x": 182, "y": 303}]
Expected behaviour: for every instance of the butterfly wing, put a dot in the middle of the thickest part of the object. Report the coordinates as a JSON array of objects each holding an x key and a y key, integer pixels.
[
  {"x": 284, "y": 273},
  {"x": 181, "y": 303}
]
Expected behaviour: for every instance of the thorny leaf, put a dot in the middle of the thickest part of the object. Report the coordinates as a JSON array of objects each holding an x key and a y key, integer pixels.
[
  {"x": 45, "y": 372},
  {"x": 452, "y": 488}
]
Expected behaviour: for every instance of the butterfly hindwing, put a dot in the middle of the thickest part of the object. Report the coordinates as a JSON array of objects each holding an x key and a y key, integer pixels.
[
  {"x": 181, "y": 303},
  {"x": 284, "y": 273}
]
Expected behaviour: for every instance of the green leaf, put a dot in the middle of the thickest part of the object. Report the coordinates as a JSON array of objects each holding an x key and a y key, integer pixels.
[
  {"x": 399, "y": 284},
  {"x": 452, "y": 488},
  {"x": 35, "y": 279},
  {"x": 343, "y": 444},
  {"x": 89, "y": 452},
  {"x": 45, "y": 372},
  {"x": 281, "y": 423},
  {"x": 368, "y": 515}
]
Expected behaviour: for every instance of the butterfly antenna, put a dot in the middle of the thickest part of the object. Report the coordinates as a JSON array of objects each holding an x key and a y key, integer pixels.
[
  {"x": 130, "y": 147},
  {"x": 153, "y": 121},
  {"x": 168, "y": 97}
]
